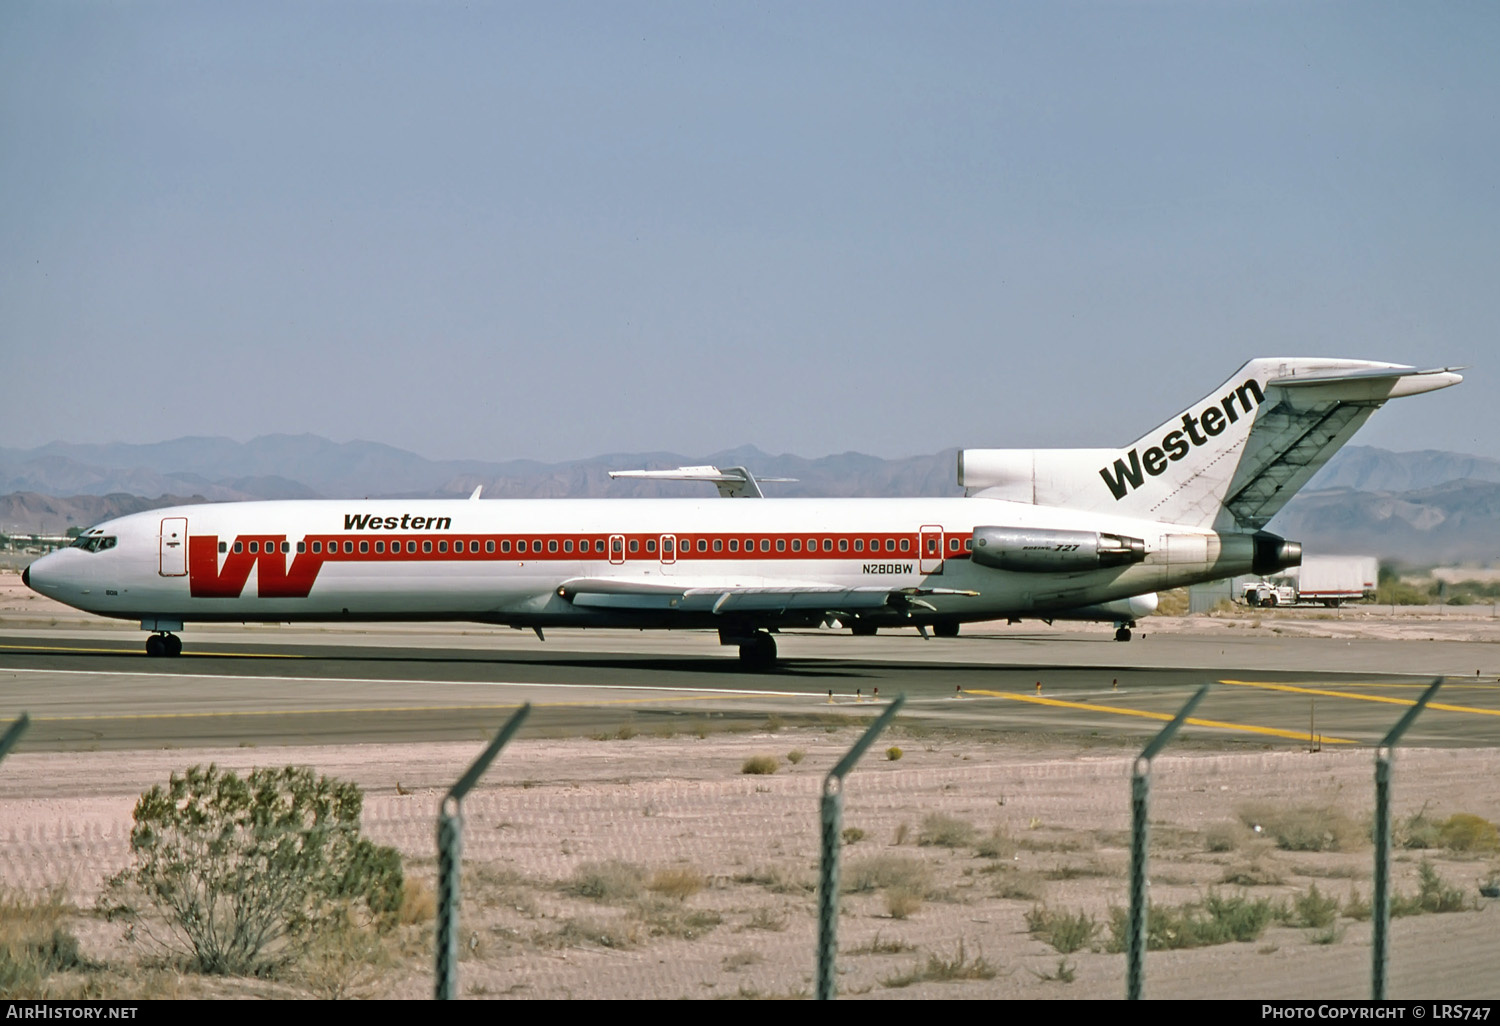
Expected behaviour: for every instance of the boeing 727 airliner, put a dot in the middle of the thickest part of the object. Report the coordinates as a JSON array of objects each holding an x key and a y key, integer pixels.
[{"x": 1040, "y": 533}]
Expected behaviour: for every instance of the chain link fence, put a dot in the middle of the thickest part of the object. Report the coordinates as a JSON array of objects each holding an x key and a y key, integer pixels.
[{"x": 654, "y": 866}]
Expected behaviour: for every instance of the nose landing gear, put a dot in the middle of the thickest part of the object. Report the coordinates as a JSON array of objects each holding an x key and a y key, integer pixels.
[{"x": 163, "y": 645}]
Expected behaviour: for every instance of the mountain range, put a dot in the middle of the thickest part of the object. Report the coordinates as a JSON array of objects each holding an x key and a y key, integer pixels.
[{"x": 1417, "y": 507}]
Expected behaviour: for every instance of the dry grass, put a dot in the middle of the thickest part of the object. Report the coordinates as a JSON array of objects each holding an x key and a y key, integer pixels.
[
  {"x": 610, "y": 881},
  {"x": 761, "y": 765},
  {"x": 946, "y": 831},
  {"x": 938, "y": 969},
  {"x": 418, "y": 903},
  {"x": 877, "y": 872},
  {"x": 902, "y": 902},
  {"x": 35, "y": 942},
  {"x": 680, "y": 883},
  {"x": 1067, "y": 932},
  {"x": 1304, "y": 827}
]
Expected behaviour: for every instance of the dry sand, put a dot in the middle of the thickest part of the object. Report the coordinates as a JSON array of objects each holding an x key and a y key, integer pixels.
[{"x": 734, "y": 856}]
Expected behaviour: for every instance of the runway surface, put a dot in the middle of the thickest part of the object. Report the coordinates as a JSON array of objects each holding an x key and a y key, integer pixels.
[{"x": 87, "y": 691}]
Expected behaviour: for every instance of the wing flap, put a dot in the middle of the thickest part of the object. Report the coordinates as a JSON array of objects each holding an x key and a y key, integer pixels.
[{"x": 710, "y": 597}]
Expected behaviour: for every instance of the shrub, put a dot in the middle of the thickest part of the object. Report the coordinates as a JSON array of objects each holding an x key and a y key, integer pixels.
[
  {"x": 680, "y": 883},
  {"x": 1067, "y": 932},
  {"x": 887, "y": 871},
  {"x": 34, "y": 943},
  {"x": 1305, "y": 828},
  {"x": 1311, "y": 909},
  {"x": 607, "y": 881},
  {"x": 1465, "y": 831},
  {"x": 795, "y": 756},
  {"x": 760, "y": 765},
  {"x": 942, "y": 970},
  {"x": 1215, "y": 920},
  {"x": 243, "y": 872},
  {"x": 893, "y": 753},
  {"x": 853, "y": 835},
  {"x": 945, "y": 831}
]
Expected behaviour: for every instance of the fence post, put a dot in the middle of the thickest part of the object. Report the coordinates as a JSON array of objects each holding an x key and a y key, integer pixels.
[
  {"x": 828, "y": 867},
  {"x": 1380, "y": 911},
  {"x": 13, "y": 734},
  {"x": 1140, "y": 801},
  {"x": 450, "y": 831}
]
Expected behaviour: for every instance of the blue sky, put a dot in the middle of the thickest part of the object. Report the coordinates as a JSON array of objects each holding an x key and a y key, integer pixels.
[{"x": 553, "y": 230}]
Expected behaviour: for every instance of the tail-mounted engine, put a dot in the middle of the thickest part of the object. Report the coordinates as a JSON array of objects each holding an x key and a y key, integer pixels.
[{"x": 1030, "y": 550}]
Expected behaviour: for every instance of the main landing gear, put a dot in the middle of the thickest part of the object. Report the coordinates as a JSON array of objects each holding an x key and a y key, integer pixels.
[
  {"x": 163, "y": 645},
  {"x": 1122, "y": 630},
  {"x": 758, "y": 652}
]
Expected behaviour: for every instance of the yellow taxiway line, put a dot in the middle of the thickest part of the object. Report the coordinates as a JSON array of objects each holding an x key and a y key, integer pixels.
[
  {"x": 1250, "y": 728},
  {"x": 1301, "y": 690}
]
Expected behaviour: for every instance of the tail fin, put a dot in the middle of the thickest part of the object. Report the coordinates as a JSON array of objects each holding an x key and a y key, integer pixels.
[{"x": 1229, "y": 462}]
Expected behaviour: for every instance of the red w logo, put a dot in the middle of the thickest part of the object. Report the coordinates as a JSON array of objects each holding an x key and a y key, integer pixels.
[{"x": 206, "y": 579}]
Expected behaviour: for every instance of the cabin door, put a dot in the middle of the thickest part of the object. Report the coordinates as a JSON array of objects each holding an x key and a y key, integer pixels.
[{"x": 173, "y": 547}]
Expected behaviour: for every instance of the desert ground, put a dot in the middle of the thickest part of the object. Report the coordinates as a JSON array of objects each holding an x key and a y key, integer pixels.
[{"x": 651, "y": 865}]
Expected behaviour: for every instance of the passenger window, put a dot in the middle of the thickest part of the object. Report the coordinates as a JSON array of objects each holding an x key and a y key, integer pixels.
[
  {"x": 796, "y": 544},
  {"x": 827, "y": 544},
  {"x": 223, "y": 547},
  {"x": 427, "y": 546},
  {"x": 505, "y": 545},
  {"x": 380, "y": 546},
  {"x": 968, "y": 544},
  {"x": 634, "y": 545},
  {"x": 734, "y": 545},
  {"x": 890, "y": 545},
  {"x": 765, "y": 545},
  {"x": 348, "y": 546},
  {"x": 489, "y": 545},
  {"x": 254, "y": 548},
  {"x": 301, "y": 547},
  {"x": 843, "y": 544},
  {"x": 317, "y": 547},
  {"x": 780, "y": 544},
  {"x": 859, "y": 545},
  {"x": 567, "y": 544},
  {"x": 718, "y": 544},
  {"x": 442, "y": 546},
  {"x": 666, "y": 545},
  {"x": 619, "y": 544},
  {"x": 521, "y": 545},
  {"x": 411, "y": 546},
  {"x": 364, "y": 547},
  {"x": 650, "y": 544},
  {"x": 702, "y": 545},
  {"x": 552, "y": 545},
  {"x": 905, "y": 544}
]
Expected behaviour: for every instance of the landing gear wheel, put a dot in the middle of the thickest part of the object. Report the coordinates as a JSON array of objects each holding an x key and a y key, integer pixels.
[
  {"x": 945, "y": 629},
  {"x": 863, "y": 630},
  {"x": 758, "y": 653},
  {"x": 156, "y": 645},
  {"x": 1268, "y": 602},
  {"x": 174, "y": 645},
  {"x": 1122, "y": 634}
]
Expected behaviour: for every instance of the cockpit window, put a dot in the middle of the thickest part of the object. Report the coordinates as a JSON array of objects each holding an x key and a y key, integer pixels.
[{"x": 94, "y": 542}]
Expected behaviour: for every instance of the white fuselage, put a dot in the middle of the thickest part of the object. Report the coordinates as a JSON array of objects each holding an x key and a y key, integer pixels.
[{"x": 507, "y": 561}]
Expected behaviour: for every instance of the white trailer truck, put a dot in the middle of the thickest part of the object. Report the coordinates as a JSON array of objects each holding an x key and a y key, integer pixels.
[{"x": 1320, "y": 580}]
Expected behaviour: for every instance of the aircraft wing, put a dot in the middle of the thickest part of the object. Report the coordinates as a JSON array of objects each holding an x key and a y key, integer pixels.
[
  {"x": 732, "y": 482},
  {"x": 766, "y": 596}
]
